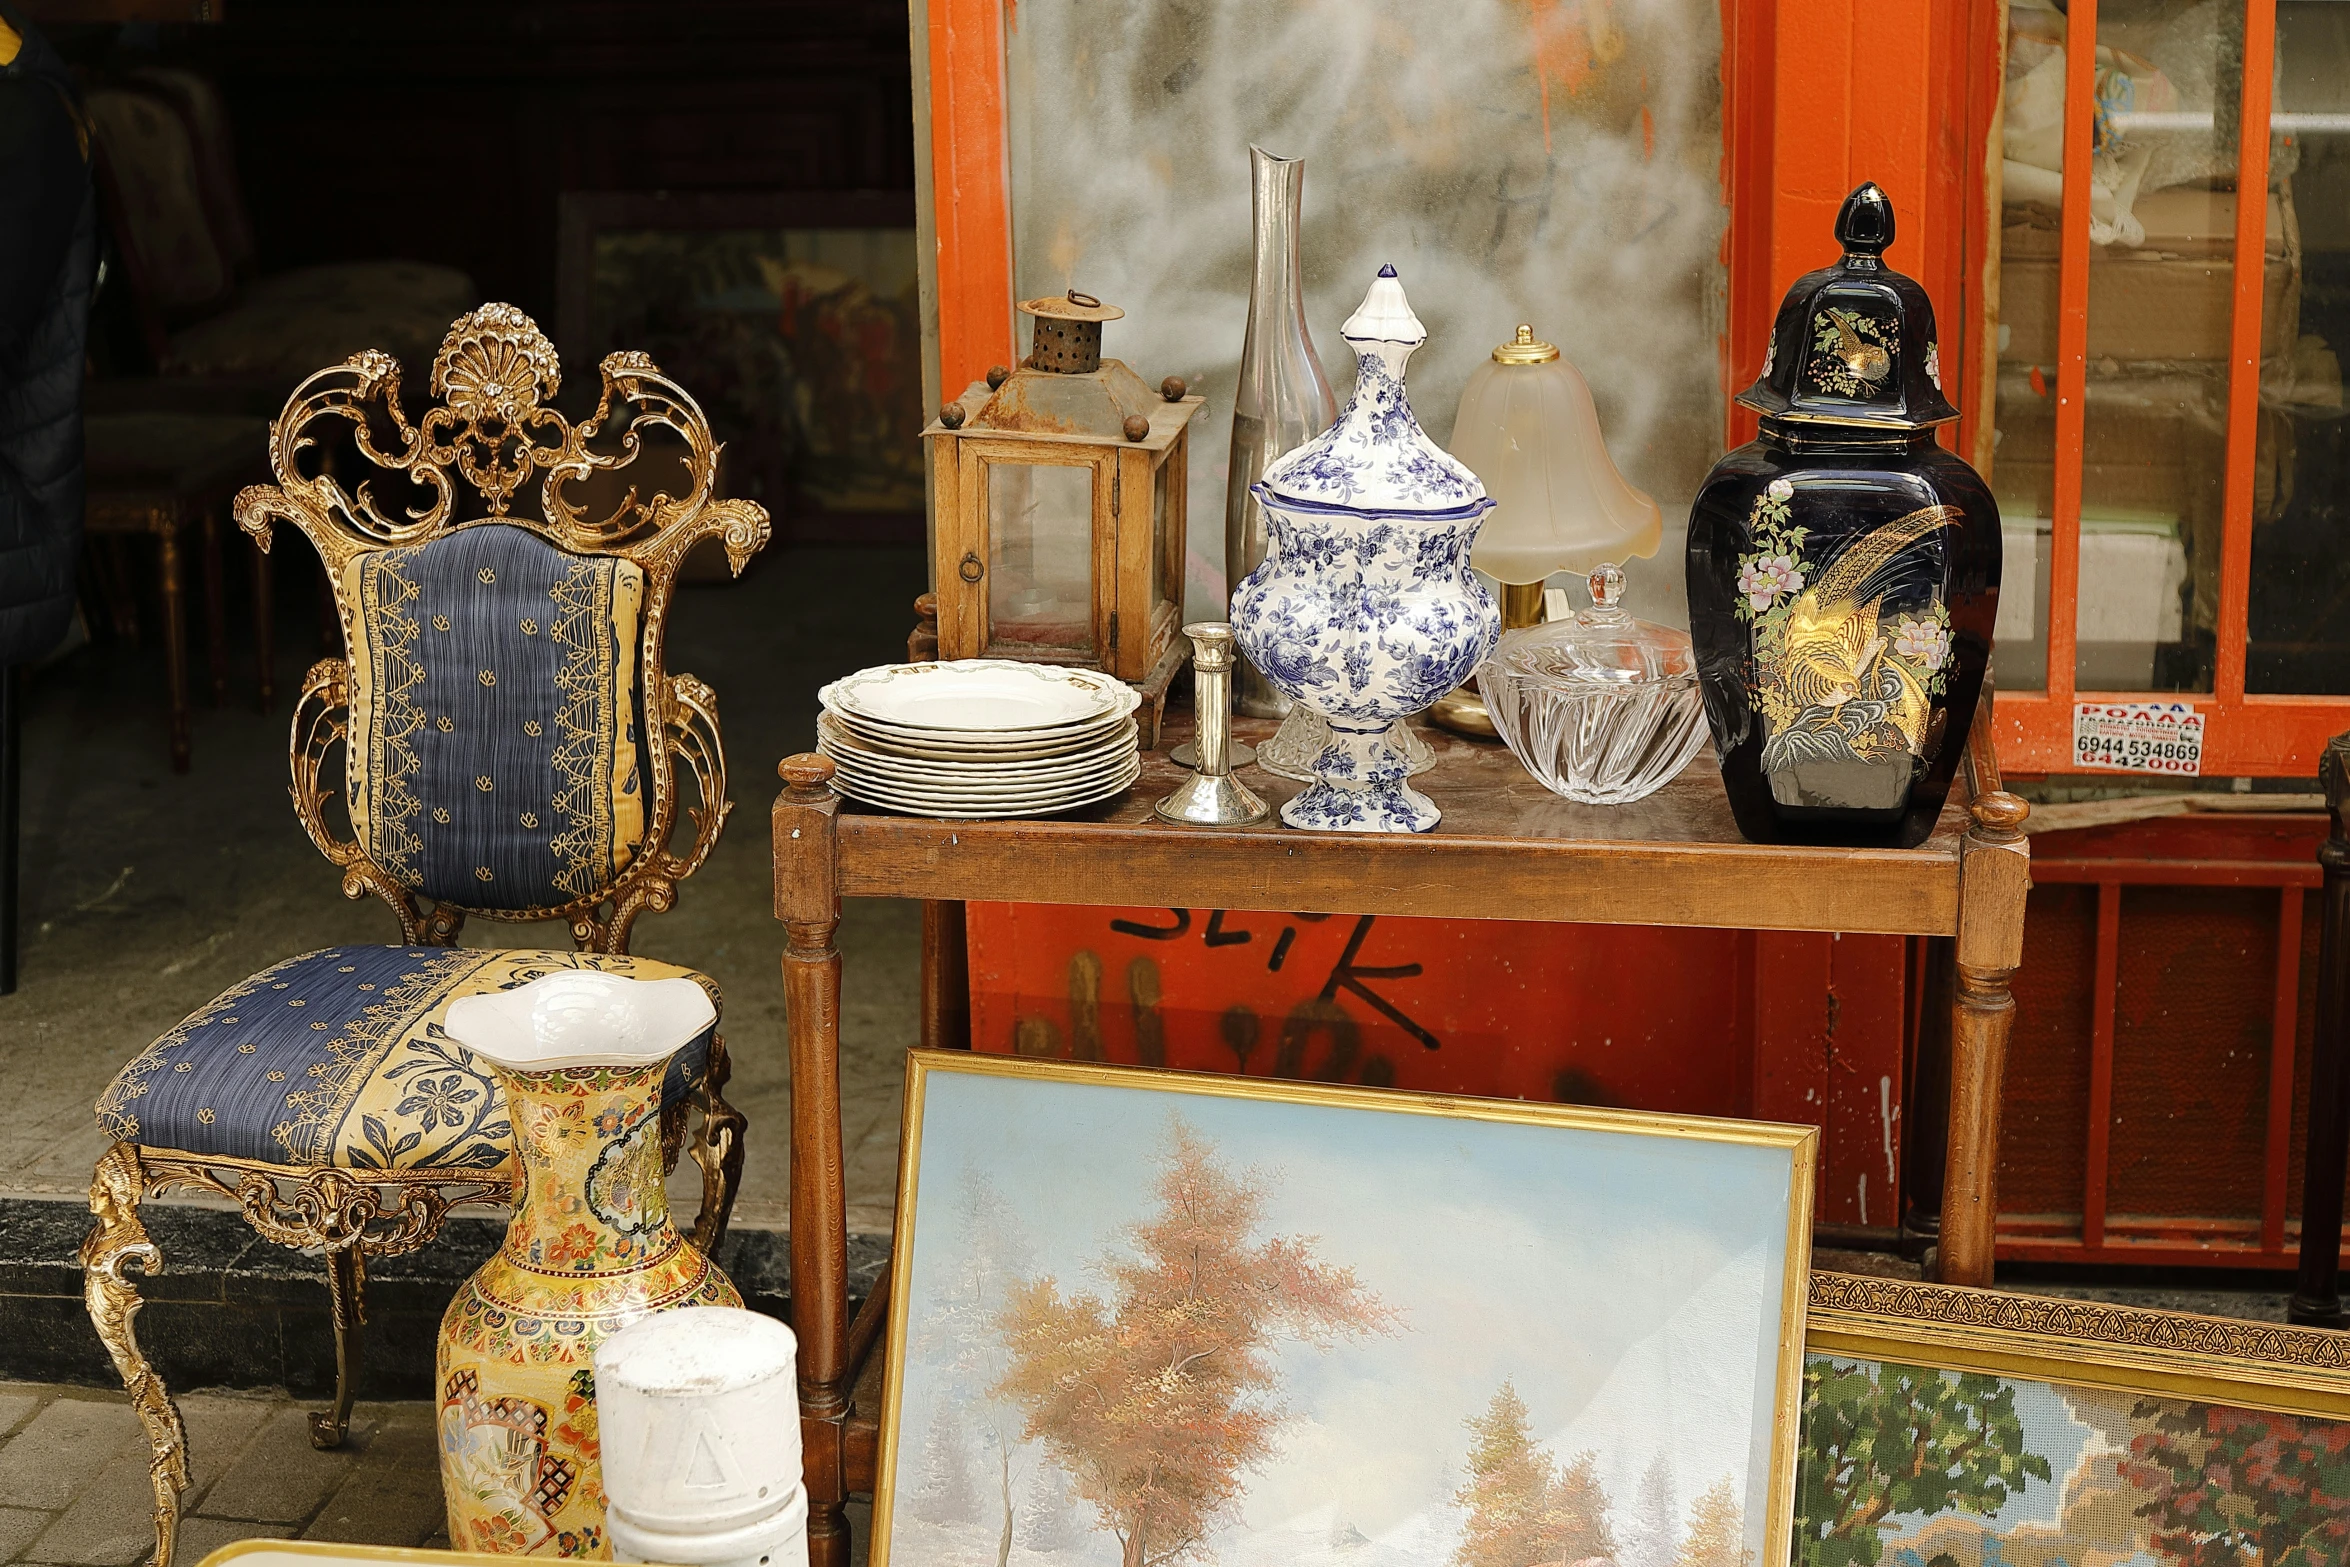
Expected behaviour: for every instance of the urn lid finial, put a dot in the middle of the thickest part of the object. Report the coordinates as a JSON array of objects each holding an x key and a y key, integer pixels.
[
  {"x": 1385, "y": 315},
  {"x": 1854, "y": 343}
]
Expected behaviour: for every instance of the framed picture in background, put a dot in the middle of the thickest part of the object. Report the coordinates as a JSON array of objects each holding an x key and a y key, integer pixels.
[
  {"x": 1153, "y": 1317},
  {"x": 795, "y": 318},
  {"x": 1950, "y": 1427}
]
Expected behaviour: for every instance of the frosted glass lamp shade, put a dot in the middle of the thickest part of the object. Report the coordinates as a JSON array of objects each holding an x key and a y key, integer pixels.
[{"x": 1528, "y": 429}]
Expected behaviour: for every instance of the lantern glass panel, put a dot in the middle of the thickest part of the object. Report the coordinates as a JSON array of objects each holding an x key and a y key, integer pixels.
[{"x": 1040, "y": 559}]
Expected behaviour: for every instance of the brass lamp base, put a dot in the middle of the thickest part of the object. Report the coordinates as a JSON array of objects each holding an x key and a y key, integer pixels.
[{"x": 1463, "y": 711}]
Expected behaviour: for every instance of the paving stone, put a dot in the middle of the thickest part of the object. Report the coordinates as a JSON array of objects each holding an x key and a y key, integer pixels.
[
  {"x": 16, "y": 1403},
  {"x": 200, "y": 1537},
  {"x": 280, "y": 1477},
  {"x": 112, "y": 1522},
  {"x": 44, "y": 1464},
  {"x": 19, "y": 1527},
  {"x": 392, "y": 1496},
  {"x": 220, "y": 1426}
]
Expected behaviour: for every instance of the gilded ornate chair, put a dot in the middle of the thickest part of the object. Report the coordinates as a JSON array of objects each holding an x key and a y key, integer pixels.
[{"x": 512, "y": 748}]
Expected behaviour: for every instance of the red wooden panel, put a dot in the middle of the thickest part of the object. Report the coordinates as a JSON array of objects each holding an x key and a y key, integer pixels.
[
  {"x": 1868, "y": 1004},
  {"x": 1792, "y": 1027},
  {"x": 2042, "y": 1152}
]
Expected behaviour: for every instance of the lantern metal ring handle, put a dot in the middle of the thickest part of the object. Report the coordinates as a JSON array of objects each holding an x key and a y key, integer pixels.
[
  {"x": 971, "y": 569},
  {"x": 1087, "y": 300}
]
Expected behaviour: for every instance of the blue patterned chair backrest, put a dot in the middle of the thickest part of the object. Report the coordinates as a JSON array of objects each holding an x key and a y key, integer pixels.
[{"x": 495, "y": 726}]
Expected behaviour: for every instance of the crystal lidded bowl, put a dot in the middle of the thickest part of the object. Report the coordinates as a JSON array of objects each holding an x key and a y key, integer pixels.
[
  {"x": 581, "y": 1017},
  {"x": 1601, "y": 708}
]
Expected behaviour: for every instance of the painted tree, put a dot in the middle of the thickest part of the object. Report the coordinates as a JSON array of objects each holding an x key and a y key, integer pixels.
[
  {"x": 1651, "y": 1532},
  {"x": 1525, "y": 1509},
  {"x": 943, "y": 1489},
  {"x": 1717, "y": 1530},
  {"x": 1156, "y": 1401},
  {"x": 1046, "y": 1521},
  {"x": 2242, "y": 1488},
  {"x": 959, "y": 1344},
  {"x": 1881, "y": 1440}
]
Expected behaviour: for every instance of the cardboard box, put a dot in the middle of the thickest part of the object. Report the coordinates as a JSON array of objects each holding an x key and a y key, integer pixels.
[{"x": 2172, "y": 298}]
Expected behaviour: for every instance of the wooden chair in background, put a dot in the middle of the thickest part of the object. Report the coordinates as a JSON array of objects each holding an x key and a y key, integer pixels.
[{"x": 170, "y": 477}]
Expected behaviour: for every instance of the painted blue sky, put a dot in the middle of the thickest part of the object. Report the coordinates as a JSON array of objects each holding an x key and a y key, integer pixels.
[{"x": 1627, "y": 1285}]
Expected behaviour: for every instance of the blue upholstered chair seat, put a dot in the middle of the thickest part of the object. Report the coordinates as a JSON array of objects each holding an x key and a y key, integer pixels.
[{"x": 339, "y": 1058}]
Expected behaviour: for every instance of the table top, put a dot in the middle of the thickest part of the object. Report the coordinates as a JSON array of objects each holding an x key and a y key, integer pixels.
[{"x": 1507, "y": 849}]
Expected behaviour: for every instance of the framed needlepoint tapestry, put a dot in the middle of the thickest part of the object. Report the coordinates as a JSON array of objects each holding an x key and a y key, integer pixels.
[{"x": 1950, "y": 1427}]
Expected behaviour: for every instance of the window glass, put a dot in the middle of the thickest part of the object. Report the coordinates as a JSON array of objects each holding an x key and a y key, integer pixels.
[
  {"x": 2161, "y": 234},
  {"x": 2301, "y": 487}
]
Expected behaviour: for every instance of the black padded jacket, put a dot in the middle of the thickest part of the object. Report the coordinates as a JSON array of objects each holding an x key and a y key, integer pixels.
[{"x": 48, "y": 271}]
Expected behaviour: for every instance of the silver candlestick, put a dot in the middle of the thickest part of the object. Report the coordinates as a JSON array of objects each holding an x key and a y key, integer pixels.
[{"x": 1212, "y": 797}]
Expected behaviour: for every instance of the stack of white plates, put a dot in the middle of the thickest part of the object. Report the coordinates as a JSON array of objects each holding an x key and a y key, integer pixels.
[{"x": 979, "y": 737}]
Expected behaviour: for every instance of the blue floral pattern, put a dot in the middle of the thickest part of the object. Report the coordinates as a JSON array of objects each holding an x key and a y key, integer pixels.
[
  {"x": 1365, "y": 608},
  {"x": 1376, "y": 454}
]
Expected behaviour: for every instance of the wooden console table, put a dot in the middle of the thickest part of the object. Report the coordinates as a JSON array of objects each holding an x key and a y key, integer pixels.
[{"x": 1507, "y": 848}]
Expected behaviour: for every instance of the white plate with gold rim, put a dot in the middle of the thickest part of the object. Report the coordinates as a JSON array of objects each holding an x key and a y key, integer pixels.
[
  {"x": 1009, "y": 787},
  {"x": 1120, "y": 735},
  {"x": 917, "y": 805},
  {"x": 980, "y": 696}
]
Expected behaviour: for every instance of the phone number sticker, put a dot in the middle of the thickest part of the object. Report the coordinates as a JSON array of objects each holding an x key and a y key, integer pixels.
[{"x": 2138, "y": 737}]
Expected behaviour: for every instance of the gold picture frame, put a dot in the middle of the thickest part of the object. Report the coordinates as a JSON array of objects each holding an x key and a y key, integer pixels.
[
  {"x": 2168, "y": 1402},
  {"x": 1037, "y": 1094}
]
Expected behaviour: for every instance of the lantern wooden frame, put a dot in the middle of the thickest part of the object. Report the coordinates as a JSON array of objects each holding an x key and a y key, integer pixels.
[{"x": 1132, "y": 531}]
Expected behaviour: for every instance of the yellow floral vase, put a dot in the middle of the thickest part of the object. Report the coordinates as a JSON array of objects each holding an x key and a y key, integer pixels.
[{"x": 590, "y": 1249}]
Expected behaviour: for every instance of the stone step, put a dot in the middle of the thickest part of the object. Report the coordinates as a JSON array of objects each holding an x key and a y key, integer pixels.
[{"x": 231, "y": 1310}]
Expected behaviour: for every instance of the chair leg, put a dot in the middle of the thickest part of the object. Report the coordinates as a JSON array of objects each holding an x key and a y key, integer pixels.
[
  {"x": 118, "y": 1239},
  {"x": 718, "y": 1149},
  {"x": 175, "y": 646},
  {"x": 346, "y": 1286},
  {"x": 265, "y": 627},
  {"x": 215, "y": 612}
]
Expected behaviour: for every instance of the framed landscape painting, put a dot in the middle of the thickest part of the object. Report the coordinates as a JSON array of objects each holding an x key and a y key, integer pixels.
[
  {"x": 1949, "y": 1427},
  {"x": 1148, "y": 1318}
]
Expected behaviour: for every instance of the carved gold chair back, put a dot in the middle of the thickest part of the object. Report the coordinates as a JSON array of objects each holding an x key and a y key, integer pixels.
[{"x": 513, "y": 745}]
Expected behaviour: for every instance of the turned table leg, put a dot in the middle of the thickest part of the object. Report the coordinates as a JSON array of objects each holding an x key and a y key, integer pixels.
[
  {"x": 807, "y": 900},
  {"x": 1995, "y": 872},
  {"x": 946, "y": 977},
  {"x": 2317, "y": 1294}
]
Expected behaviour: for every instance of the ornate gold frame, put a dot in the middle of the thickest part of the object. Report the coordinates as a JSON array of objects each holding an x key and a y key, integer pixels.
[
  {"x": 1802, "y": 1143},
  {"x": 493, "y": 429},
  {"x": 2169, "y": 1354}
]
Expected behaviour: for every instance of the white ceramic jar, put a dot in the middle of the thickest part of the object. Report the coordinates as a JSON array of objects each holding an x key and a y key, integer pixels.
[{"x": 700, "y": 1420}]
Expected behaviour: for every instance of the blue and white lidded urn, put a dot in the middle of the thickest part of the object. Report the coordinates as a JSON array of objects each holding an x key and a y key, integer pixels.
[{"x": 1365, "y": 609}]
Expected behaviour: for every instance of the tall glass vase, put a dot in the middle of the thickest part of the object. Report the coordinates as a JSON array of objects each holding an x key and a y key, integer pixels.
[
  {"x": 1283, "y": 399},
  {"x": 579, "y": 1056}
]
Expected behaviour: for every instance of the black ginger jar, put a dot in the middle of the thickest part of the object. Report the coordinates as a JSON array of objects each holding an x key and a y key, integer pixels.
[{"x": 1843, "y": 567}]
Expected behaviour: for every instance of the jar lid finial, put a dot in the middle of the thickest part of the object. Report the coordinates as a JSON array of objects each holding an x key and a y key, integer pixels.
[{"x": 1864, "y": 224}]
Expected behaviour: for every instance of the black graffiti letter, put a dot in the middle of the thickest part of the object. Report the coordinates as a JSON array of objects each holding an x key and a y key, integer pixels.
[
  {"x": 1155, "y": 932},
  {"x": 1346, "y": 974}
]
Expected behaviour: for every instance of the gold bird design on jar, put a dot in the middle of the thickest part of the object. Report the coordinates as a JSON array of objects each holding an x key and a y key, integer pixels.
[
  {"x": 1863, "y": 358},
  {"x": 1835, "y": 647}
]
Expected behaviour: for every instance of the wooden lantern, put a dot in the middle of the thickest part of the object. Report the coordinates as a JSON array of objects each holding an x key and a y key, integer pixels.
[{"x": 1060, "y": 490}]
